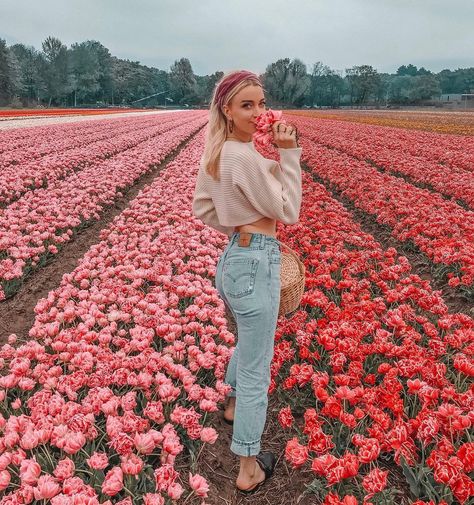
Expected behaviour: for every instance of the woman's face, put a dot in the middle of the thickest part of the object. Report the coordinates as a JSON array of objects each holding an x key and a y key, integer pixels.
[{"x": 243, "y": 109}]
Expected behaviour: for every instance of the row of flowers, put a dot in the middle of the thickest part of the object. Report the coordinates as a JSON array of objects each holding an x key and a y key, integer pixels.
[
  {"x": 25, "y": 144},
  {"x": 375, "y": 366},
  {"x": 126, "y": 358},
  {"x": 441, "y": 123},
  {"x": 37, "y": 166},
  {"x": 397, "y": 153},
  {"x": 14, "y": 113},
  {"x": 441, "y": 229},
  {"x": 41, "y": 220}
]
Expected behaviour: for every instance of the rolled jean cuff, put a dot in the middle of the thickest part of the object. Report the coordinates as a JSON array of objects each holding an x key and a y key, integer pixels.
[{"x": 245, "y": 448}]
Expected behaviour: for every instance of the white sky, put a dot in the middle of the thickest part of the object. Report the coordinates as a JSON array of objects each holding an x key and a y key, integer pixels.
[{"x": 250, "y": 34}]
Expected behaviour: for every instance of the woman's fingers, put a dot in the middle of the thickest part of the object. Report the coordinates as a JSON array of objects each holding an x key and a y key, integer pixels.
[
  {"x": 284, "y": 135},
  {"x": 283, "y": 129}
]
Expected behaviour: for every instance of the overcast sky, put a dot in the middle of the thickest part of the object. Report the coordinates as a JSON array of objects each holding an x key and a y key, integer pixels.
[{"x": 250, "y": 34}]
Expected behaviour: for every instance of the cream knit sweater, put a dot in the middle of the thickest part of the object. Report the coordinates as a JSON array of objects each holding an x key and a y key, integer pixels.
[{"x": 251, "y": 187}]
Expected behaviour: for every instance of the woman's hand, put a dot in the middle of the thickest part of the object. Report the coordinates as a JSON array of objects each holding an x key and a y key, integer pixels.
[{"x": 285, "y": 136}]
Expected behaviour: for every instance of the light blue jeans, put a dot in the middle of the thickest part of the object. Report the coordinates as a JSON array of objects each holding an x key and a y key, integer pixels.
[{"x": 248, "y": 281}]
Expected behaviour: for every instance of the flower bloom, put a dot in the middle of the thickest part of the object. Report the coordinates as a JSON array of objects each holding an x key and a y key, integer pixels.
[
  {"x": 113, "y": 482},
  {"x": 131, "y": 464},
  {"x": 199, "y": 484},
  {"x": 5, "y": 478},
  {"x": 285, "y": 417},
  {"x": 209, "y": 435},
  {"x": 153, "y": 499},
  {"x": 98, "y": 461},
  {"x": 29, "y": 471},
  {"x": 165, "y": 475},
  {"x": 466, "y": 455},
  {"x": 64, "y": 469},
  {"x": 296, "y": 453},
  {"x": 175, "y": 491},
  {"x": 46, "y": 488},
  {"x": 375, "y": 481}
]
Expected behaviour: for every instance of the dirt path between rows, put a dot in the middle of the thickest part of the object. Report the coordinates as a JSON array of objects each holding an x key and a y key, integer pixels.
[{"x": 17, "y": 313}]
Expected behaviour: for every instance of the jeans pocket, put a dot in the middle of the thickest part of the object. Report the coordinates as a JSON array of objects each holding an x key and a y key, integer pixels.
[{"x": 238, "y": 276}]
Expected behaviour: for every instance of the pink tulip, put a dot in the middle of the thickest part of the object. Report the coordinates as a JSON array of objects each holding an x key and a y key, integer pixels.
[
  {"x": 5, "y": 460},
  {"x": 199, "y": 484},
  {"x": 29, "y": 440},
  {"x": 73, "y": 442},
  {"x": 46, "y": 488},
  {"x": 29, "y": 471},
  {"x": 209, "y": 435},
  {"x": 113, "y": 482},
  {"x": 144, "y": 443},
  {"x": 131, "y": 464},
  {"x": 5, "y": 478},
  {"x": 175, "y": 490},
  {"x": 164, "y": 476},
  {"x": 153, "y": 499},
  {"x": 64, "y": 469},
  {"x": 98, "y": 461}
]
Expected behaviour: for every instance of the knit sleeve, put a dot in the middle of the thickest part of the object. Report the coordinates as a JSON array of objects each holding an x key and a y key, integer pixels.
[
  {"x": 272, "y": 188},
  {"x": 203, "y": 206}
]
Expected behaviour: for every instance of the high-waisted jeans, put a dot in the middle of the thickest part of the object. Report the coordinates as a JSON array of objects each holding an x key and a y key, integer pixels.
[{"x": 248, "y": 281}]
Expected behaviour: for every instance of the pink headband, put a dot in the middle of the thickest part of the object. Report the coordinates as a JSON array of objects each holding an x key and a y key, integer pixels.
[{"x": 229, "y": 82}]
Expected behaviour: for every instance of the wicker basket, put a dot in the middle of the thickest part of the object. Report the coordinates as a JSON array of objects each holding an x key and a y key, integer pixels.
[{"x": 292, "y": 276}]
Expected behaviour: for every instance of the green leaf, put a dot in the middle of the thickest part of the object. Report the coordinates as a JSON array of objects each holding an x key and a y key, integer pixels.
[{"x": 410, "y": 478}]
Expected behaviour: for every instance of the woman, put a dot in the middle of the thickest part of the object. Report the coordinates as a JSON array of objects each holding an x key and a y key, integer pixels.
[{"x": 243, "y": 194}]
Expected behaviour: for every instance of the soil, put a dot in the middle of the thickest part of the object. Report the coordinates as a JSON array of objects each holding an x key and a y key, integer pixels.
[{"x": 220, "y": 467}]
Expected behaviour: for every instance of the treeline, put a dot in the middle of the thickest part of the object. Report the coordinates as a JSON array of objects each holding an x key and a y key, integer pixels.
[{"x": 86, "y": 74}]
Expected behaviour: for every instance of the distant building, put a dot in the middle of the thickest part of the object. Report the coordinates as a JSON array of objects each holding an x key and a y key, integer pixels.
[{"x": 457, "y": 100}]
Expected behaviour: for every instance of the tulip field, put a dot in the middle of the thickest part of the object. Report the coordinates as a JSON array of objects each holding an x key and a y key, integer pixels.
[{"x": 113, "y": 395}]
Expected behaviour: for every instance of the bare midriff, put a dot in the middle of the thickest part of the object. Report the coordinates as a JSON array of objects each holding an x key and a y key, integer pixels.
[{"x": 266, "y": 225}]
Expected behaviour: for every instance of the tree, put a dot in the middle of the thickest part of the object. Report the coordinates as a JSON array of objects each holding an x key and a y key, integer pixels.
[
  {"x": 183, "y": 82},
  {"x": 424, "y": 87},
  {"x": 287, "y": 81},
  {"x": 7, "y": 74},
  {"x": 56, "y": 69},
  {"x": 363, "y": 81},
  {"x": 86, "y": 72},
  {"x": 31, "y": 83},
  {"x": 327, "y": 86},
  {"x": 407, "y": 70}
]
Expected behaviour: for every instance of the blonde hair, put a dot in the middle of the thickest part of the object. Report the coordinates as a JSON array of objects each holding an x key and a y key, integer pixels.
[{"x": 217, "y": 125}]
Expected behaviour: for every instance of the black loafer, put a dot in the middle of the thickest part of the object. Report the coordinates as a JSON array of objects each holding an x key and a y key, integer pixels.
[{"x": 267, "y": 461}]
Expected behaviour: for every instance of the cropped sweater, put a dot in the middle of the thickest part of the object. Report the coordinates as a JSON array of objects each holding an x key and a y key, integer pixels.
[{"x": 251, "y": 187}]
